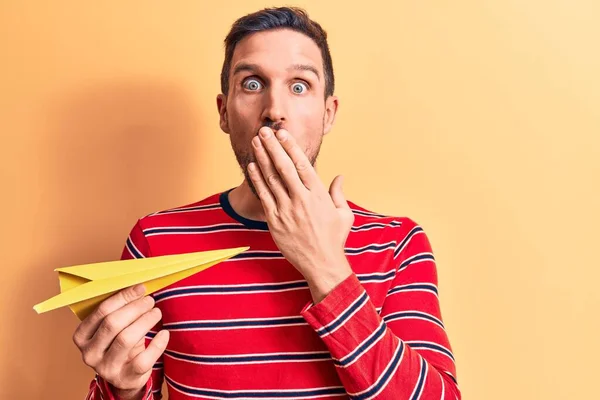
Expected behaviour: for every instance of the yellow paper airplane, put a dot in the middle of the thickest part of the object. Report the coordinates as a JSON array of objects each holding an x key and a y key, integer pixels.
[{"x": 84, "y": 287}]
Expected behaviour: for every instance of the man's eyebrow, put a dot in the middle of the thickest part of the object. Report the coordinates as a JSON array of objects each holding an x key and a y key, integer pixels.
[
  {"x": 305, "y": 67},
  {"x": 245, "y": 67}
]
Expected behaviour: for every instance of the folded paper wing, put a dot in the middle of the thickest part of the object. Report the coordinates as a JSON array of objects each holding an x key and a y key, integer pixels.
[{"x": 84, "y": 287}]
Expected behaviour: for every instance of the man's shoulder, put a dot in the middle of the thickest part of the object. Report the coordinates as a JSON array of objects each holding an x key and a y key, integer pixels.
[
  {"x": 364, "y": 216},
  {"x": 381, "y": 232}
]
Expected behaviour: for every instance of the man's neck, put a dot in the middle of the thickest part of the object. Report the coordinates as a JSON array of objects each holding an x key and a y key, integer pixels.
[{"x": 245, "y": 203}]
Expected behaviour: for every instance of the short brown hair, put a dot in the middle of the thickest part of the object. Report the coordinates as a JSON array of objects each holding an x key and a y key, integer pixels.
[{"x": 277, "y": 18}]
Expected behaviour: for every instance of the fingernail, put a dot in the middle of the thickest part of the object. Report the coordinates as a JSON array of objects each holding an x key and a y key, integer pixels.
[
  {"x": 256, "y": 142},
  {"x": 163, "y": 335},
  {"x": 139, "y": 289},
  {"x": 265, "y": 133},
  {"x": 251, "y": 167},
  {"x": 148, "y": 300}
]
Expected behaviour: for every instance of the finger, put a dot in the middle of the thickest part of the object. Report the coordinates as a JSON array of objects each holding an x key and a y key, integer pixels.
[
  {"x": 129, "y": 337},
  {"x": 336, "y": 192},
  {"x": 141, "y": 344},
  {"x": 117, "y": 321},
  {"x": 267, "y": 168},
  {"x": 262, "y": 189},
  {"x": 144, "y": 361},
  {"x": 304, "y": 169},
  {"x": 87, "y": 328},
  {"x": 281, "y": 161}
]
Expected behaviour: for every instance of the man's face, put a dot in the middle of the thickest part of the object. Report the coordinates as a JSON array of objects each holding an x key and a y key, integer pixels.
[{"x": 276, "y": 80}]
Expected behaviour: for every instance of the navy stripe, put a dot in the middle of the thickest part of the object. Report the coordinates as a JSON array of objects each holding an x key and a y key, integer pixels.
[
  {"x": 375, "y": 247},
  {"x": 193, "y": 229},
  {"x": 198, "y": 208},
  {"x": 368, "y": 214},
  {"x": 256, "y": 254},
  {"x": 133, "y": 250},
  {"x": 416, "y": 286},
  {"x": 234, "y": 324},
  {"x": 431, "y": 346},
  {"x": 252, "y": 358},
  {"x": 421, "y": 381},
  {"x": 255, "y": 394},
  {"x": 372, "y": 277},
  {"x": 451, "y": 377},
  {"x": 249, "y": 223},
  {"x": 329, "y": 329},
  {"x": 359, "y": 350},
  {"x": 420, "y": 257},
  {"x": 413, "y": 314},
  {"x": 368, "y": 226},
  {"x": 231, "y": 289},
  {"x": 150, "y": 335},
  {"x": 383, "y": 379},
  {"x": 413, "y": 232},
  {"x": 375, "y": 225}
]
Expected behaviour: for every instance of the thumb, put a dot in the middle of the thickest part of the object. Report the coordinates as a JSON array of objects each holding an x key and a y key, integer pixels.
[{"x": 336, "y": 193}]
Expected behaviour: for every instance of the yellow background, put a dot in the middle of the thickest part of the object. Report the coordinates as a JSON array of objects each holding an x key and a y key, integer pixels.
[{"x": 479, "y": 119}]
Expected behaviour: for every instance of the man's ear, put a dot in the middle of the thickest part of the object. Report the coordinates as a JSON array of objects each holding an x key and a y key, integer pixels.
[
  {"x": 222, "y": 107},
  {"x": 331, "y": 107}
]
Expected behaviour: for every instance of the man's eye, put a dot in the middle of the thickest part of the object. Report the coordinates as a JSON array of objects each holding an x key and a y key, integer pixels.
[
  {"x": 299, "y": 87},
  {"x": 252, "y": 84}
]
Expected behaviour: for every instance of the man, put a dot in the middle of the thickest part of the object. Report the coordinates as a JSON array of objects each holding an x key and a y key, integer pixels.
[{"x": 331, "y": 300}]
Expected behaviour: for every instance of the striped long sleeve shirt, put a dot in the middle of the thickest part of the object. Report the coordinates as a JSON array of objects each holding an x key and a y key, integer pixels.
[{"x": 247, "y": 327}]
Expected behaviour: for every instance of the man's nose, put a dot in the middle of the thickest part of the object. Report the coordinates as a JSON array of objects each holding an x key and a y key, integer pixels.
[{"x": 274, "y": 107}]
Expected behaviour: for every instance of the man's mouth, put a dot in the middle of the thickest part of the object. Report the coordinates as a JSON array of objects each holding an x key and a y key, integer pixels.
[{"x": 275, "y": 126}]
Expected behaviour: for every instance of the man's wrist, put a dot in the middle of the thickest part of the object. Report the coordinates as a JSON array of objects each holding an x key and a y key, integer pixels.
[
  {"x": 320, "y": 286},
  {"x": 130, "y": 394}
]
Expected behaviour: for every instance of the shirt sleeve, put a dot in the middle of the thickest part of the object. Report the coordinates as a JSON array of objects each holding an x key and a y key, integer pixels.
[
  {"x": 136, "y": 246},
  {"x": 404, "y": 353}
]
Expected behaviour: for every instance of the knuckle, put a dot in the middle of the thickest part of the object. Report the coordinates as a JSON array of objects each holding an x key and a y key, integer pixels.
[
  {"x": 110, "y": 322},
  {"x": 109, "y": 325},
  {"x": 77, "y": 339},
  {"x": 138, "y": 367},
  {"x": 128, "y": 295},
  {"x": 263, "y": 194},
  {"x": 273, "y": 179},
  {"x": 103, "y": 310},
  {"x": 277, "y": 215},
  {"x": 89, "y": 358},
  {"x": 124, "y": 340},
  {"x": 301, "y": 165}
]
